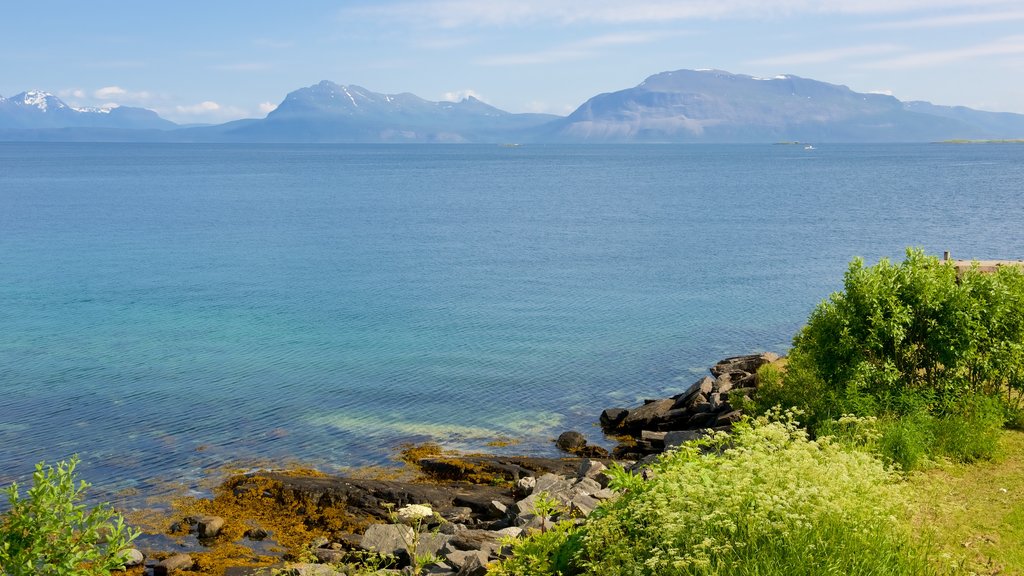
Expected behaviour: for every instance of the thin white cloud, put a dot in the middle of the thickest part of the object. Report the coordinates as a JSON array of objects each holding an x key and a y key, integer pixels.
[
  {"x": 950, "y": 20},
  {"x": 460, "y": 95},
  {"x": 1009, "y": 46},
  {"x": 109, "y": 92},
  {"x": 827, "y": 56},
  {"x": 579, "y": 50},
  {"x": 460, "y": 13},
  {"x": 212, "y": 111},
  {"x": 121, "y": 96},
  {"x": 203, "y": 108}
]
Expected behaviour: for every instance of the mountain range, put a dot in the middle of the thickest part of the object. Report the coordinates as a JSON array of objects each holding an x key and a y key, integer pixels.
[{"x": 678, "y": 106}]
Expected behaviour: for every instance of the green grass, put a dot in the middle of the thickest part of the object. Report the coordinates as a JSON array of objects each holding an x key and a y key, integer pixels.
[{"x": 974, "y": 513}]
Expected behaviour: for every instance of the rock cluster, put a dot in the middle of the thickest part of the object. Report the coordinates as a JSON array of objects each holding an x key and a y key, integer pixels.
[
  {"x": 461, "y": 519},
  {"x": 708, "y": 404},
  {"x": 459, "y": 540}
]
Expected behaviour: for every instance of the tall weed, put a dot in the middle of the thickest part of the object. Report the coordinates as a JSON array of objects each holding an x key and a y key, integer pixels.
[{"x": 763, "y": 500}]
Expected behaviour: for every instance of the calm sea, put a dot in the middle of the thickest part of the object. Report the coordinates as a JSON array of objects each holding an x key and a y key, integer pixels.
[{"x": 166, "y": 310}]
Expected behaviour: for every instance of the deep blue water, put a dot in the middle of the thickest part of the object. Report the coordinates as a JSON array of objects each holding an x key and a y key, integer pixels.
[{"x": 166, "y": 309}]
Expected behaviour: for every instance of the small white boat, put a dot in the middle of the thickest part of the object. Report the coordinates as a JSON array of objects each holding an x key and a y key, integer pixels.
[{"x": 808, "y": 147}]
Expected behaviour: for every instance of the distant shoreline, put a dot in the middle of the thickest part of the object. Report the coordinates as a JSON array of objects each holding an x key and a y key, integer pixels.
[{"x": 998, "y": 141}]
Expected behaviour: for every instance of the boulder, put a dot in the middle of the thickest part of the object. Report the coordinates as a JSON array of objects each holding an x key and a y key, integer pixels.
[
  {"x": 655, "y": 439},
  {"x": 431, "y": 544},
  {"x": 329, "y": 556},
  {"x": 387, "y": 539},
  {"x": 611, "y": 417},
  {"x": 590, "y": 469},
  {"x": 472, "y": 539},
  {"x": 749, "y": 363},
  {"x": 728, "y": 418},
  {"x": 459, "y": 558},
  {"x": 582, "y": 505},
  {"x": 647, "y": 416},
  {"x": 208, "y": 526},
  {"x": 173, "y": 563},
  {"x": 571, "y": 441},
  {"x": 702, "y": 386},
  {"x": 586, "y": 486},
  {"x": 473, "y": 567},
  {"x": 133, "y": 557},
  {"x": 678, "y": 437}
]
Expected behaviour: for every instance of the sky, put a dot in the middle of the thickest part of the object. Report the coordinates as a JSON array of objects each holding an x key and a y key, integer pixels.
[{"x": 212, "y": 61}]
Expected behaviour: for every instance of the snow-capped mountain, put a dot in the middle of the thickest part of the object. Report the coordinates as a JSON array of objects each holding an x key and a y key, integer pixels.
[
  {"x": 329, "y": 112},
  {"x": 718, "y": 106},
  {"x": 36, "y": 109}
]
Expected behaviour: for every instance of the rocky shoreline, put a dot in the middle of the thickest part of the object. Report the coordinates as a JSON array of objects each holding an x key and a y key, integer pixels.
[{"x": 454, "y": 518}]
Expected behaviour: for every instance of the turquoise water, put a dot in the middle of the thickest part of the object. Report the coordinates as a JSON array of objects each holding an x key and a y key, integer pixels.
[{"x": 166, "y": 309}]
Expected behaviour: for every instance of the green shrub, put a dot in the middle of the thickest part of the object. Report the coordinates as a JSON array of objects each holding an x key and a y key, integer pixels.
[
  {"x": 48, "y": 533},
  {"x": 543, "y": 552},
  {"x": 939, "y": 361},
  {"x": 763, "y": 500}
]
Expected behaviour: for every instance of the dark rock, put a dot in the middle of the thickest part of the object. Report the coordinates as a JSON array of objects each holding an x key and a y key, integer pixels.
[
  {"x": 361, "y": 497},
  {"x": 328, "y": 556},
  {"x": 702, "y": 407},
  {"x": 702, "y": 386},
  {"x": 475, "y": 540},
  {"x": 701, "y": 420},
  {"x": 570, "y": 441},
  {"x": 749, "y": 363},
  {"x": 729, "y": 418},
  {"x": 611, "y": 417},
  {"x": 473, "y": 567},
  {"x": 678, "y": 437},
  {"x": 173, "y": 563},
  {"x": 647, "y": 416},
  {"x": 256, "y": 534},
  {"x": 509, "y": 468},
  {"x": 654, "y": 439},
  {"x": 591, "y": 451}
]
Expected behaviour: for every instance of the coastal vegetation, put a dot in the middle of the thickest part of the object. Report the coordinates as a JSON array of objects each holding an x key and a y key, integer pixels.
[
  {"x": 49, "y": 532},
  {"x": 910, "y": 367},
  {"x": 878, "y": 446}
]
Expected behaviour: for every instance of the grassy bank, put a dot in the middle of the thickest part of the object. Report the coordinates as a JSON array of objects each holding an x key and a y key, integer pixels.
[{"x": 974, "y": 513}]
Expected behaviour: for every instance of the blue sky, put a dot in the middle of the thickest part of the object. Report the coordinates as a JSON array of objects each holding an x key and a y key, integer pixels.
[{"x": 212, "y": 61}]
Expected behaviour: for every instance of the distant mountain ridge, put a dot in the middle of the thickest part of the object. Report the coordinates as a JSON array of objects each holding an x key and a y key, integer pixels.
[
  {"x": 329, "y": 112},
  {"x": 676, "y": 106},
  {"x": 717, "y": 106},
  {"x": 36, "y": 110}
]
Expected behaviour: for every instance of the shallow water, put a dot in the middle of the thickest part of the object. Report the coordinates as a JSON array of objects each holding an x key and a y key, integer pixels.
[{"x": 169, "y": 309}]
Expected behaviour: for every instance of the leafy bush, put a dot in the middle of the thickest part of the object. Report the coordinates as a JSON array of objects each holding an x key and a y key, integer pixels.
[
  {"x": 763, "y": 500},
  {"x": 914, "y": 329},
  {"x": 48, "y": 533},
  {"x": 543, "y": 552},
  {"x": 926, "y": 353}
]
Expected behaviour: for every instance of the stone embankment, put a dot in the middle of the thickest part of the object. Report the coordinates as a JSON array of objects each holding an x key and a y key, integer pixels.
[
  {"x": 461, "y": 514},
  {"x": 709, "y": 404}
]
